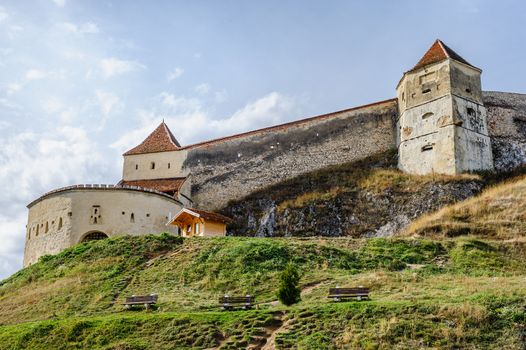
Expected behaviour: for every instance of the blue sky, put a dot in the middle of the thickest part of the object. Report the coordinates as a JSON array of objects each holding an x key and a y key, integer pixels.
[{"x": 82, "y": 81}]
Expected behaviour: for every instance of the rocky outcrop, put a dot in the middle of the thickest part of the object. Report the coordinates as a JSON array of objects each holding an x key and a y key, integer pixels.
[{"x": 357, "y": 199}]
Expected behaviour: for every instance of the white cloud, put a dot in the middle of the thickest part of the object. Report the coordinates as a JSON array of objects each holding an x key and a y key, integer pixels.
[
  {"x": 194, "y": 122},
  {"x": 4, "y": 124},
  {"x": 220, "y": 96},
  {"x": 179, "y": 104},
  {"x": 73, "y": 55},
  {"x": 52, "y": 105},
  {"x": 175, "y": 74},
  {"x": 32, "y": 164},
  {"x": 109, "y": 104},
  {"x": 202, "y": 89},
  {"x": 85, "y": 28},
  {"x": 11, "y": 88},
  {"x": 35, "y": 74},
  {"x": 113, "y": 66},
  {"x": 60, "y": 3},
  {"x": 3, "y": 14}
]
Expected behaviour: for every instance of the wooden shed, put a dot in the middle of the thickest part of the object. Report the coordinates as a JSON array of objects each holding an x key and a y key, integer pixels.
[{"x": 200, "y": 223}]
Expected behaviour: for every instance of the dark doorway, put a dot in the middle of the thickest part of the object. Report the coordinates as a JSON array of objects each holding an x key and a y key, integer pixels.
[{"x": 94, "y": 236}]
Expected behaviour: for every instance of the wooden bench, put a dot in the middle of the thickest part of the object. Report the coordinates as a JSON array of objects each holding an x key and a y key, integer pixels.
[
  {"x": 145, "y": 300},
  {"x": 339, "y": 294},
  {"x": 227, "y": 302}
]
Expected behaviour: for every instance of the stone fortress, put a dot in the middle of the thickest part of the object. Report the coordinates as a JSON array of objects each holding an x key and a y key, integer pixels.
[{"x": 440, "y": 122}]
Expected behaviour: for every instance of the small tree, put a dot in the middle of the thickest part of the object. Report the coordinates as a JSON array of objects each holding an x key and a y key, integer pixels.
[{"x": 289, "y": 292}]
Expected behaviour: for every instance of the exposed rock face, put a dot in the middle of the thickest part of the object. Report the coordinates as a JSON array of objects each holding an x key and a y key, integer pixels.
[
  {"x": 282, "y": 210},
  {"x": 507, "y": 127}
]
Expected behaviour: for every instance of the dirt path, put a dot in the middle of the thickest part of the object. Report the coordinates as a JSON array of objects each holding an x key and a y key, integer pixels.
[
  {"x": 307, "y": 289},
  {"x": 270, "y": 343}
]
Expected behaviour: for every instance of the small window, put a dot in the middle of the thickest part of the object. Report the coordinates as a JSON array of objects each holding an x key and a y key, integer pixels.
[
  {"x": 188, "y": 228},
  {"x": 168, "y": 165},
  {"x": 403, "y": 96},
  {"x": 37, "y": 230},
  {"x": 123, "y": 213},
  {"x": 427, "y": 148},
  {"x": 47, "y": 227},
  {"x": 152, "y": 165},
  {"x": 60, "y": 223},
  {"x": 148, "y": 215},
  {"x": 425, "y": 91},
  {"x": 427, "y": 115},
  {"x": 132, "y": 217},
  {"x": 471, "y": 112},
  {"x": 136, "y": 166},
  {"x": 70, "y": 213},
  {"x": 468, "y": 90},
  {"x": 196, "y": 228}
]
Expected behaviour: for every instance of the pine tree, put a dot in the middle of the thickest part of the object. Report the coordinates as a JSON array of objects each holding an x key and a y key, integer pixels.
[{"x": 289, "y": 292}]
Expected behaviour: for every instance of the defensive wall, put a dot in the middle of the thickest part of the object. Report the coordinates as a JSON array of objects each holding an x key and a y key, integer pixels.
[{"x": 232, "y": 167}]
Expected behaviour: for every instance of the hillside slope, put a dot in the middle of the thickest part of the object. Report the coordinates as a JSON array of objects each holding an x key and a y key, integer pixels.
[
  {"x": 425, "y": 294},
  {"x": 367, "y": 198},
  {"x": 497, "y": 213}
]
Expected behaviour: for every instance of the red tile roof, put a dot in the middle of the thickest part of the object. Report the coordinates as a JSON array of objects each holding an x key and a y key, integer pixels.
[
  {"x": 439, "y": 52},
  {"x": 170, "y": 186},
  {"x": 160, "y": 140},
  {"x": 211, "y": 216}
]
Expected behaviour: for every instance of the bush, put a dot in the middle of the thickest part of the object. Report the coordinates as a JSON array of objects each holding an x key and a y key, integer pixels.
[{"x": 289, "y": 292}]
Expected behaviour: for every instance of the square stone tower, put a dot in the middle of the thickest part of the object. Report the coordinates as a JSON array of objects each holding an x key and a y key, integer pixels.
[{"x": 442, "y": 124}]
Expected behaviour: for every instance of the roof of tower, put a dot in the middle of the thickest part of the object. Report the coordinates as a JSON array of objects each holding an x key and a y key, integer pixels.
[
  {"x": 160, "y": 140},
  {"x": 171, "y": 185},
  {"x": 439, "y": 52}
]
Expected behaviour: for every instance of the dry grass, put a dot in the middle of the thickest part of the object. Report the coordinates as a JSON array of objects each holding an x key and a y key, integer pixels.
[
  {"x": 382, "y": 179},
  {"x": 499, "y": 212},
  {"x": 310, "y": 197}
]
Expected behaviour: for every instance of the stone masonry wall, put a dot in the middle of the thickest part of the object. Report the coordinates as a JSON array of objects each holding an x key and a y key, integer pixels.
[
  {"x": 507, "y": 128},
  {"x": 234, "y": 167}
]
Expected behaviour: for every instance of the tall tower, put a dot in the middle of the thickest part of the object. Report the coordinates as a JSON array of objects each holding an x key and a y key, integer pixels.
[{"x": 442, "y": 124}]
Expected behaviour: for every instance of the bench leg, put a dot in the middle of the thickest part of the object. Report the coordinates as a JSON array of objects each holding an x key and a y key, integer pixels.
[
  {"x": 337, "y": 299},
  {"x": 127, "y": 307},
  {"x": 146, "y": 306}
]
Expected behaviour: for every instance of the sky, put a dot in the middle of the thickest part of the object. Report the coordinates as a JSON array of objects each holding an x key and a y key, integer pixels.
[{"x": 82, "y": 81}]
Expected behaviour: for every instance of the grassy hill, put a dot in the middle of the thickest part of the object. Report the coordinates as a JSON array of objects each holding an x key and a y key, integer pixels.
[
  {"x": 497, "y": 213},
  {"x": 453, "y": 279},
  {"x": 449, "y": 293}
]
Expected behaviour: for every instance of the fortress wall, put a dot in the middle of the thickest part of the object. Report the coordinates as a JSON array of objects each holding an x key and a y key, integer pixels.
[
  {"x": 507, "y": 128},
  {"x": 78, "y": 208},
  {"x": 231, "y": 168},
  {"x": 53, "y": 214}
]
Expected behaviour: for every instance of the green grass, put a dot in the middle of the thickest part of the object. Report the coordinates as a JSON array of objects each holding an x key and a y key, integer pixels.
[{"x": 449, "y": 293}]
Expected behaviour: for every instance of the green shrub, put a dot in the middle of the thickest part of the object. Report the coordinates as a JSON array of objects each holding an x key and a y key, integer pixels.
[{"x": 289, "y": 292}]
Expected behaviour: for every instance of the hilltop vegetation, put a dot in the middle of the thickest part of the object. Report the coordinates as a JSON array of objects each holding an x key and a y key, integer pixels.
[
  {"x": 453, "y": 279},
  {"x": 499, "y": 212},
  {"x": 424, "y": 293}
]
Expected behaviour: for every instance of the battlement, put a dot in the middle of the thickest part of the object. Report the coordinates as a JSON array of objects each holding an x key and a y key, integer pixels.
[{"x": 100, "y": 187}]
